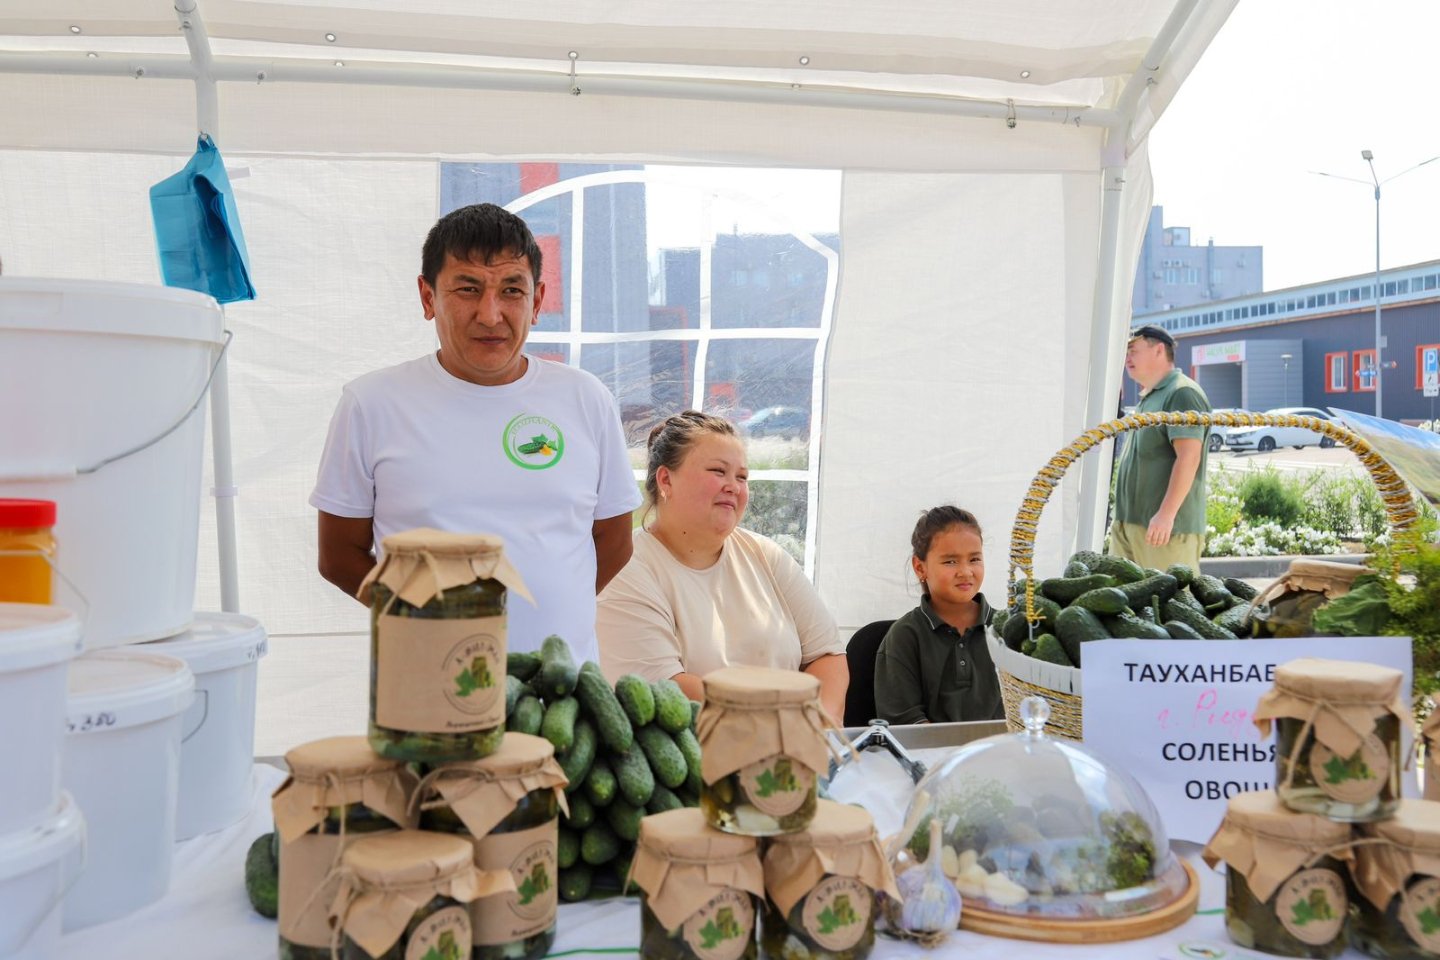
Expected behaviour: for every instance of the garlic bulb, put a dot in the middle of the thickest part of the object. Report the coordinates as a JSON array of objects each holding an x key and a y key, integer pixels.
[{"x": 930, "y": 902}]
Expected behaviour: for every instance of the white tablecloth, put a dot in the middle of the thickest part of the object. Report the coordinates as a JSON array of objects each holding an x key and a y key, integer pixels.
[{"x": 206, "y": 915}]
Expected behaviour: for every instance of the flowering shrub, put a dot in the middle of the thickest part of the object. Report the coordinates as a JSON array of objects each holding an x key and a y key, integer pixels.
[{"x": 1269, "y": 539}]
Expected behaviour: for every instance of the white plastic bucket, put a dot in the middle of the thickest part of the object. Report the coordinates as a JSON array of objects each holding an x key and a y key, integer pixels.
[
  {"x": 223, "y": 651},
  {"x": 93, "y": 371},
  {"x": 122, "y": 765},
  {"x": 36, "y": 644},
  {"x": 37, "y": 865}
]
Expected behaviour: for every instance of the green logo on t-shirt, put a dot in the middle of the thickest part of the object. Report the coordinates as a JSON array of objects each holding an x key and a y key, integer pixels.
[{"x": 533, "y": 442}]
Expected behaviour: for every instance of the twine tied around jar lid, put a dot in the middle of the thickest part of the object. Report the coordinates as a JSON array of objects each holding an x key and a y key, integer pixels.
[
  {"x": 421, "y": 564},
  {"x": 1397, "y": 849},
  {"x": 1266, "y": 842},
  {"x": 337, "y": 772},
  {"x": 1338, "y": 700},
  {"x": 840, "y": 841},
  {"x": 682, "y": 864},
  {"x": 484, "y": 792},
  {"x": 385, "y": 880},
  {"x": 753, "y": 713}
]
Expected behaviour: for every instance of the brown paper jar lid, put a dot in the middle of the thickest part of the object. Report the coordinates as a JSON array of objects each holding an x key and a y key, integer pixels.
[
  {"x": 409, "y": 857},
  {"x": 760, "y": 687},
  {"x": 835, "y": 825},
  {"x": 442, "y": 543},
  {"x": 1339, "y": 681},
  {"x": 344, "y": 757},
  {"x": 1415, "y": 826},
  {"x": 1262, "y": 812},
  {"x": 684, "y": 835}
]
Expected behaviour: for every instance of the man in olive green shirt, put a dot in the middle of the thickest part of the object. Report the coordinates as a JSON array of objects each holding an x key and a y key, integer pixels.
[
  {"x": 1160, "y": 481},
  {"x": 926, "y": 671}
]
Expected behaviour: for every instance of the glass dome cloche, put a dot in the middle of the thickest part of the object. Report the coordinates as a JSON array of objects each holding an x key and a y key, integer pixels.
[{"x": 1045, "y": 840}]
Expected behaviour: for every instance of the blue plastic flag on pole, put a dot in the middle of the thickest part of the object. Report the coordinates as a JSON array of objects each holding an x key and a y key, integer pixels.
[{"x": 197, "y": 229}]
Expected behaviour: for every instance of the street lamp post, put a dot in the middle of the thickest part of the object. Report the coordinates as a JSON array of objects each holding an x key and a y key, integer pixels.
[
  {"x": 1285, "y": 358},
  {"x": 1377, "y": 183},
  {"x": 1369, "y": 158}
]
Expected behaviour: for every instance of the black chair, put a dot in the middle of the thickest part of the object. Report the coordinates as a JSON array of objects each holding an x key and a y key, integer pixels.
[{"x": 860, "y": 655}]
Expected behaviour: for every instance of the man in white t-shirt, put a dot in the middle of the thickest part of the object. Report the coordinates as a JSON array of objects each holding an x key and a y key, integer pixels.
[{"x": 480, "y": 438}]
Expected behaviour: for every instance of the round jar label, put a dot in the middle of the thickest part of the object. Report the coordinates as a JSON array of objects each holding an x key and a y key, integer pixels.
[
  {"x": 529, "y": 856},
  {"x": 444, "y": 935},
  {"x": 475, "y": 670},
  {"x": 836, "y": 913},
  {"x": 1420, "y": 913},
  {"x": 1354, "y": 779},
  {"x": 723, "y": 928},
  {"x": 777, "y": 785},
  {"x": 1312, "y": 906}
]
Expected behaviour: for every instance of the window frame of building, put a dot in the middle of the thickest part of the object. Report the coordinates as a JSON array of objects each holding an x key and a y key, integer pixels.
[
  {"x": 1420, "y": 361},
  {"x": 1330, "y": 380},
  {"x": 1355, "y": 367}
]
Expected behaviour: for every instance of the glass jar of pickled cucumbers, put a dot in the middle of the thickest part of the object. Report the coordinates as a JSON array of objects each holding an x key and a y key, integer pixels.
[
  {"x": 1397, "y": 876},
  {"x": 438, "y": 645},
  {"x": 338, "y": 791}
]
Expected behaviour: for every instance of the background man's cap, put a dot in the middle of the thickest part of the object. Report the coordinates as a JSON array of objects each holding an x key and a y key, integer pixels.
[{"x": 1152, "y": 332}]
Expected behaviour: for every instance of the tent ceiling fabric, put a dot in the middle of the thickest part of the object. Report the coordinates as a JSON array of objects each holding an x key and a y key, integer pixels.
[{"x": 1035, "y": 52}]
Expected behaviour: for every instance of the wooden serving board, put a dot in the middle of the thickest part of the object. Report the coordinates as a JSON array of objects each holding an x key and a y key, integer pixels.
[{"x": 1168, "y": 917}]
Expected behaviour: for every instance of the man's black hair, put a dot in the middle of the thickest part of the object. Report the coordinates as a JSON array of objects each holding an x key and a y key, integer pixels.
[{"x": 482, "y": 232}]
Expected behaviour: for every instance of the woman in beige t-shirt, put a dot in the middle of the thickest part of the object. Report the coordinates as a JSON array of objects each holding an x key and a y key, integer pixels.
[{"x": 700, "y": 592}]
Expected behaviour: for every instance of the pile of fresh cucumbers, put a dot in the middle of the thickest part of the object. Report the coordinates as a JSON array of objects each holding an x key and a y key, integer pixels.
[
  {"x": 1101, "y": 596},
  {"x": 627, "y": 750}
]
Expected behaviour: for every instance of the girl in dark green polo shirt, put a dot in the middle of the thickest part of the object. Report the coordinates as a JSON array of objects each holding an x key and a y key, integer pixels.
[{"x": 933, "y": 665}]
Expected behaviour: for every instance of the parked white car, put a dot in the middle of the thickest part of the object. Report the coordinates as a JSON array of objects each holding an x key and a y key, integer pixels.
[
  {"x": 1216, "y": 440},
  {"x": 1265, "y": 439}
]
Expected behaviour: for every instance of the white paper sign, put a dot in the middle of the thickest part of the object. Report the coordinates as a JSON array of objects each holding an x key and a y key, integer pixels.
[{"x": 1176, "y": 715}]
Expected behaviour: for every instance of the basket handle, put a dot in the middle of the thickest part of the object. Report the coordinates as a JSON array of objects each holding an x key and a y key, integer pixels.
[{"x": 1400, "y": 507}]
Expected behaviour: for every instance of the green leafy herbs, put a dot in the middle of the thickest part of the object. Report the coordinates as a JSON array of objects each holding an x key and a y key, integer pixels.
[
  {"x": 1429, "y": 919},
  {"x": 446, "y": 949}
]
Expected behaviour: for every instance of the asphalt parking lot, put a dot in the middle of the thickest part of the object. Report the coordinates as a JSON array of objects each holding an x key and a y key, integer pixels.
[{"x": 1288, "y": 458}]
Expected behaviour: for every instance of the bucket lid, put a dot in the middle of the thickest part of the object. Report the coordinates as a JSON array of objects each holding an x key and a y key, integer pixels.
[
  {"x": 216, "y": 641},
  {"x": 22, "y": 851},
  {"x": 123, "y": 688},
  {"x": 109, "y": 307},
  {"x": 36, "y": 635}
]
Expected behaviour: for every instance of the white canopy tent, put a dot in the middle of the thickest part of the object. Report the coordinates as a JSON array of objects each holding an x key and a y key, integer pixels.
[{"x": 993, "y": 189}]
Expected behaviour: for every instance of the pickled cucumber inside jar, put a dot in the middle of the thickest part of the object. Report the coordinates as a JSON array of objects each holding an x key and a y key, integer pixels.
[
  {"x": 438, "y": 645},
  {"x": 470, "y": 681},
  {"x": 1305, "y": 917},
  {"x": 405, "y": 896},
  {"x": 723, "y": 929},
  {"x": 318, "y": 811},
  {"x": 515, "y": 835},
  {"x": 1407, "y": 929},
  {"x": 772, "y": 797},
  {"x": 1337, "y": 750},
  {"x": 699, "y": 889},
  {"x": 440, "y": 930},
  {"x": 1361, "y": 787},
  {"x": 835, "y": 921}
]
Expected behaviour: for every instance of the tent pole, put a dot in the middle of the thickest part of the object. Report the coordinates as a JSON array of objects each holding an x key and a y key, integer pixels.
[
  {"x": 1103, "y": 399},
  {"x": 207, "y": 119},
  {"x": 1104, "y": 393}
]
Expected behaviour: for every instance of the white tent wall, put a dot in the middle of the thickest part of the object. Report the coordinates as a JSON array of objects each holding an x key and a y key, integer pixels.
[{"x": 971, "y": 327}]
